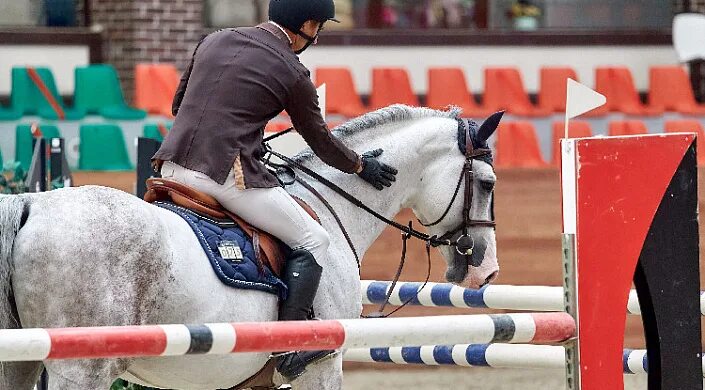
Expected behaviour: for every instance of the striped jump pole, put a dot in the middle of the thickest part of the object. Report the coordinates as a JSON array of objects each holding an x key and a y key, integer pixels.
[
  {"x": 175, "y": 340},
  {"x": 487, "y": 355},
  {"x": 505, "y": 297}
]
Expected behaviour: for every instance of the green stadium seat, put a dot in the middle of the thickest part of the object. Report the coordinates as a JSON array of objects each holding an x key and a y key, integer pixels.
[
  {"x": 27, "y": 99},
  {"x": 103, "y": 148},
  {"x": 23, "y": 96},
  {"x": 151, "y": 130},
  {"x": 9, "y": 114},
  {"x": 98, "y": 92},
  {"x": 23, "y": 141}
]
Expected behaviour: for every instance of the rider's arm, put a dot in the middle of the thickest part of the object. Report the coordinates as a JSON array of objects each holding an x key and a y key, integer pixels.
[
  {"x": 181, "y": 89},
  {"x": 302, "y": 107}
]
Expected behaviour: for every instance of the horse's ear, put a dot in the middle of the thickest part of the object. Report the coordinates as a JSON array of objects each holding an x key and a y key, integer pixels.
[{"x": 489, "y": 126}]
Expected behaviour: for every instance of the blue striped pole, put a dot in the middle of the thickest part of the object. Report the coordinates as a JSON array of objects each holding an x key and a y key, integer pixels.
[
  {"x": 487, "y": 355},
  {"x": 530, "y": 298}
]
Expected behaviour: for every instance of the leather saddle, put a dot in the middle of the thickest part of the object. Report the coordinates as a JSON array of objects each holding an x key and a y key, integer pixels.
[{"x": 268, "y": 248}]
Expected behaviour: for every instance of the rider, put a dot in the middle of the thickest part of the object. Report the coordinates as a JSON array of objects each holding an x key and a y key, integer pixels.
[{"x": 237, "y": 80}]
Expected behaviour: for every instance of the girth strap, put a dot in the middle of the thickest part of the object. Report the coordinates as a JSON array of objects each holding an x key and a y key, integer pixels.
[{"x": 262, "y": 380}]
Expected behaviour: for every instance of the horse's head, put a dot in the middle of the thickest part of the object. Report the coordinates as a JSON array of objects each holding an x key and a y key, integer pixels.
[{"x": 444, "y": 198}]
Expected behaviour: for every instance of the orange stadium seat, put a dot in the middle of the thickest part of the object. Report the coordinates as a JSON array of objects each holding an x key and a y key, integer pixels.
[
  {"x": 552, "y": 92},
  {"x": 276, "y": 127},
  {"x": 155, "y": 87},
  {"x": 504, "y": 90},
  {"x": 670, "y": 89},
  {"x": 517, "y": 146},
  {"x": 689, "y": 126},
  {"x": 603, "y": 85},
  {"x": 391, "y": 86},
  {"x": 630, "y": 127},
  {"x": 342, "y": 97},
  {"x": 448, "y": 86},
  {"x": 617, "y": 84},
  {"x": 576, "y": 129}
]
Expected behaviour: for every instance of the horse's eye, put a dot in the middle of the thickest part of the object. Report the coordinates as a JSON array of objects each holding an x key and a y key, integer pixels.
[{"x": 487, "y": 185}]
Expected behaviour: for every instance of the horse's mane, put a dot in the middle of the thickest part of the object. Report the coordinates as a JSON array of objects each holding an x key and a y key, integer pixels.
[
  {"x": 393, "y": 113},
  {"x": 383, "y": 116}
]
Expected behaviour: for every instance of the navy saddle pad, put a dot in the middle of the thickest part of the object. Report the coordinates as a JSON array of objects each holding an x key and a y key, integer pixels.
[{"x": 230, "y": 252}]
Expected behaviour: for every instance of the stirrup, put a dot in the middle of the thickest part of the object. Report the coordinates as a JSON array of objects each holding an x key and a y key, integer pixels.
[{"x": 292, "y": 365}]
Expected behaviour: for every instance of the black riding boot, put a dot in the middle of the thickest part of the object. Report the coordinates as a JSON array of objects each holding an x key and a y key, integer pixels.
[{"x": 302, "y": 275}]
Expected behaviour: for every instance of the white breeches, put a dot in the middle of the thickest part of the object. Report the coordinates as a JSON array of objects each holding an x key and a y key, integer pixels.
[{"x": 270, "y": 209}]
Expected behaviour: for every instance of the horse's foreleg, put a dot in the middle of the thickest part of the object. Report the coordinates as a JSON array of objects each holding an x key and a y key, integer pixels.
[
  {"x": 325, "y": 374},
  {"x": 19, "y": 376},
  {"x": 83, "y": 374}
]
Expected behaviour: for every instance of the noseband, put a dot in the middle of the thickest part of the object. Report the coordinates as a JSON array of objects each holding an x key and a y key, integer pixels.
[{"x": 465, "y": 244}]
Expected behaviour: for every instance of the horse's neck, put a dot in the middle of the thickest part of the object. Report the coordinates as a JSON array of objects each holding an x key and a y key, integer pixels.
[{"x": 405, "y": 148}]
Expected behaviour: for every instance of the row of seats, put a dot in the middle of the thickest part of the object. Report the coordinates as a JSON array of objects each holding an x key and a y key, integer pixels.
[
  {"x": 97, "y": 92},
  {"x": 517, "y": 145},
  {"x": 669, "y": 90},
  {"x": 103, "y": 147}
]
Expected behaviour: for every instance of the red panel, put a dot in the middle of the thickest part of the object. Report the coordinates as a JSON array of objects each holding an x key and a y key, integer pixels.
[
  {"x": 288, "y": 336},
  {"x": 621, "y": 181},
  {"x": 86, "y": 343}
]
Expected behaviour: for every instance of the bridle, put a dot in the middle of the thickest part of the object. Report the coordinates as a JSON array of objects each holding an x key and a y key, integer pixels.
[
  {"x": 471, "y": 154},
  {"x": 465, "y": 244}
]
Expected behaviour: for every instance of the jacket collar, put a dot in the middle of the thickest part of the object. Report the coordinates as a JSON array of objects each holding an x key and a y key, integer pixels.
[{"x": 275, "y": 30}]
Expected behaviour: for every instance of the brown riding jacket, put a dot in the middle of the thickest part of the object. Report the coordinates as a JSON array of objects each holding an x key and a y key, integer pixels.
[{"x": 238, "y": 80}]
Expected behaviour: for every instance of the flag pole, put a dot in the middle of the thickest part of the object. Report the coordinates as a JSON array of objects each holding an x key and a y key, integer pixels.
[{"x": 567, "y": 102}]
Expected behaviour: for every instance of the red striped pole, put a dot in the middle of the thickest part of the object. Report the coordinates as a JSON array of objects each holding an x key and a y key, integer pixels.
[{"x": 175, "y": 340}]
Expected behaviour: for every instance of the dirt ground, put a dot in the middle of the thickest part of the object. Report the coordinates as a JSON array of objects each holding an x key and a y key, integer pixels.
[
  {"x": 463, "y": 378},
  {"x": 528, "y": 241}
]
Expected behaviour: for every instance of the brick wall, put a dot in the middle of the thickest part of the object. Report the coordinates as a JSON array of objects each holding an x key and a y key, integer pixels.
[
  {"x": 147, "y": 31},
  {"x": 689, "y": 6}
]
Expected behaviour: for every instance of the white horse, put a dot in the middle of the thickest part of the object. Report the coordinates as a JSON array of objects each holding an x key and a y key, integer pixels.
[{"x": 95, "y": 256}]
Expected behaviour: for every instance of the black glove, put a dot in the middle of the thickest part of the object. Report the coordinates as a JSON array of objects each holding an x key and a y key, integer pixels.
[{"x": 378, "y": 174}]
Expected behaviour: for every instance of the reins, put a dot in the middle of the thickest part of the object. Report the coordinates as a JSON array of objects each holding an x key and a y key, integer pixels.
[
  {"x": 380, "y": 312},
  {"x": 407, "y": 232},
  {"x": 335, "y": 215},
  {"x": 461, "y": 245},
  {"x": 432, "y": 240}
]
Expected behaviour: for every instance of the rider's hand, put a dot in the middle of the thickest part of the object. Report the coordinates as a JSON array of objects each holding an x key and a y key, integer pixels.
[{"x": 378, "y": 174}]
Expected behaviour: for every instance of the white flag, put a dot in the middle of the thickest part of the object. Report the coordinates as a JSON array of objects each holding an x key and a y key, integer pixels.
[
  {"x": 322, "y": 99},
  {"x": 581, "y": 99}
]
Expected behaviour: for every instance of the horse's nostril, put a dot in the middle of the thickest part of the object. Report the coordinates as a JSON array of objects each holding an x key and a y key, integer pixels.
[{"x": 490, "y": 278}]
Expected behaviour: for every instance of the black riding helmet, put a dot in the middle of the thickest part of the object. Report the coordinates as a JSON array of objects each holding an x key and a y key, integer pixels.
[{"x": 292, "y": 14}]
